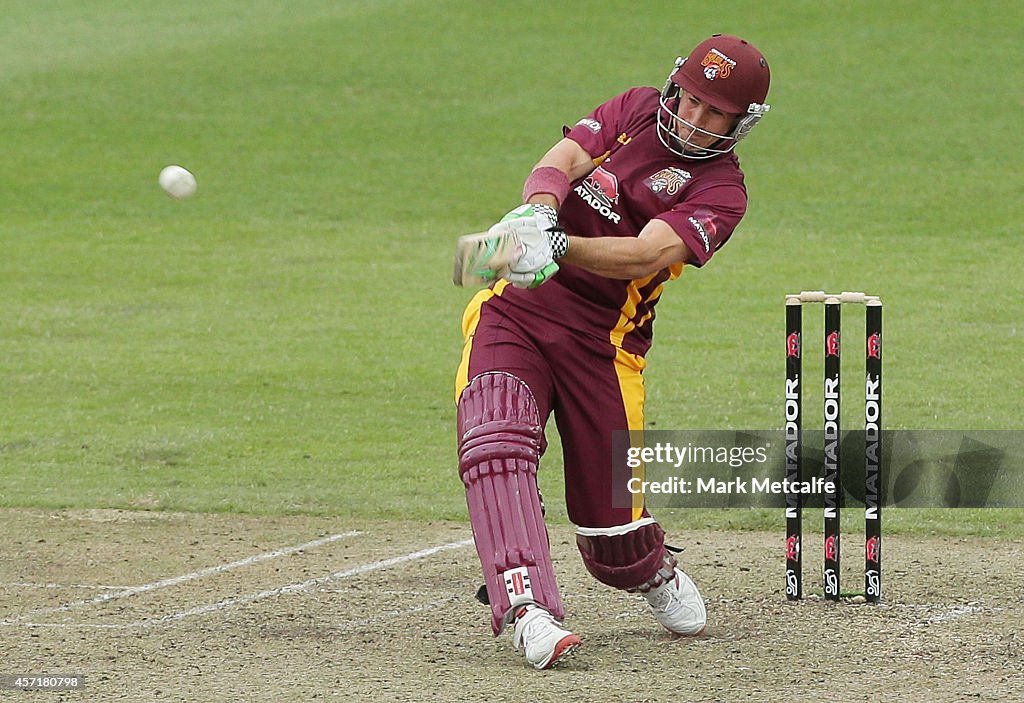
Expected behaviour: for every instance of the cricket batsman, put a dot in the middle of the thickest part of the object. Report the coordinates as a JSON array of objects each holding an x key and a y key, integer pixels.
[{"x": 644, "y": 185}]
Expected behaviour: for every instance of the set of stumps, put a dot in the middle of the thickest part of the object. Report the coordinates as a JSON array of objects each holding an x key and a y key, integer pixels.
[{"x": 832, "y": 441}]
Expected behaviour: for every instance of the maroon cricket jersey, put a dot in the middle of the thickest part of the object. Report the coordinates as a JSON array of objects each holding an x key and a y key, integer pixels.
[{"x": 637, "y": 179}]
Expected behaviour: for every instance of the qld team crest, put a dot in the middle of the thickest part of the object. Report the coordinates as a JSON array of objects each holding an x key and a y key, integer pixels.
[
  {"x": 668, "y": 181},
  {"x": 717, "y": 65}
]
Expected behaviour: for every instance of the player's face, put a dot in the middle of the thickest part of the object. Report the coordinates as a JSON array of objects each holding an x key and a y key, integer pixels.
[{"x": 704, "y": 123}]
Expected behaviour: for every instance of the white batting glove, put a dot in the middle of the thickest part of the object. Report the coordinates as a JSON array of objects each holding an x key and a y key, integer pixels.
[{"x": 541, "y": 241}]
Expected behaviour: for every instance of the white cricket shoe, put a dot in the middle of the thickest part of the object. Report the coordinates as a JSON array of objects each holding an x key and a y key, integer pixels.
[
  {"x": 542, "y": 637},
  {"x": 678, "y": 606}
]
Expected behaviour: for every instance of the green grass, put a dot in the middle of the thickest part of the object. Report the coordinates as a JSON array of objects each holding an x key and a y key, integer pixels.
[{"x": 285, "y": 341}]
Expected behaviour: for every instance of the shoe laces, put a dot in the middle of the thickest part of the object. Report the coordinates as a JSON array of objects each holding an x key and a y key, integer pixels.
[
  {"x": 536, "y": 624},
  {"x": 664, "y": 596}
]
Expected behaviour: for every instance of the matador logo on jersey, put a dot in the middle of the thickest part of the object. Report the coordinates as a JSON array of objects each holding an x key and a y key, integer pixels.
[
  {"x": 600, "y": 190},
  {"x": 669, "y": 181},
  {"x": 703, "y": 221},
  {"x": 717, "y": 65}
]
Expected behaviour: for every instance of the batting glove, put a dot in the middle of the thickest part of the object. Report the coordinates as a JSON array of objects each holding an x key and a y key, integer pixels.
[{"x": 541, "y": 242}]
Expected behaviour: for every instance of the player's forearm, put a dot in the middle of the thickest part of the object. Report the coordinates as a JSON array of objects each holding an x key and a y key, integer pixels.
[
  {"x": 549, "y": 181},
  {"x": 625, "y": 258}
]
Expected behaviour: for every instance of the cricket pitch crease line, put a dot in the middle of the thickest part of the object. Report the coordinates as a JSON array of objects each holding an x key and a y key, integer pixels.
[
  {"x": 308, "y": 584},
  {"x": 254, "y": 597},
  {"x": 177, "y": 580}
]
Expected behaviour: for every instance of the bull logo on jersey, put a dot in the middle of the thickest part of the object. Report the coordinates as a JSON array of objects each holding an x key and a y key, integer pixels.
[
  {"x": 717, "y": 65},
  {"x": 603, "y": 185},
  {"x": 600, "y": 190},
  {"x": 669, "y": 181},
  {"x": 875, "y": 346},
  {"x": 832, "y": 344}
]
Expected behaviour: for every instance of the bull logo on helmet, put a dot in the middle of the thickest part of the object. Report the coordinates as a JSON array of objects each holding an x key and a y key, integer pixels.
[
  {"x": 875, "y": 346},
  {"x": 793, "y": 344},
  {"x": 832, "y": 344},
  {"x": 717, "y": 65}
]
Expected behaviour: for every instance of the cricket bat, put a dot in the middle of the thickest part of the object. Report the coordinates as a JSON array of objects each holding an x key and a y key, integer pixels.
[{"x": 481, "y": 258}]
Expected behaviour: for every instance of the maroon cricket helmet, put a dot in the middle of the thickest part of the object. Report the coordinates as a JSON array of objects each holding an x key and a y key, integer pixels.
[
  {"x": 729, "y": 74},
  {"x": 725, "y": 71}
]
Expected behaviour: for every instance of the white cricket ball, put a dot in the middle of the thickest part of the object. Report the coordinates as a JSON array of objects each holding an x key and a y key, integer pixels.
[{"x": 177, "y": 182}]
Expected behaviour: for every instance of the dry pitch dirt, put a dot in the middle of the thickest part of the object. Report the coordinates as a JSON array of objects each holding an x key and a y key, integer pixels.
[{"x": 172, "y": 607}]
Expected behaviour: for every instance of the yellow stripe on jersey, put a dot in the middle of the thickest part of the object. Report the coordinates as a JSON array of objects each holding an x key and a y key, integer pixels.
[
  {"x": 470, "y": 319},
  {"x": 629, "y": 370},
  {"x": 674, "y": 273},
  {"x": 625, "y": 325}
]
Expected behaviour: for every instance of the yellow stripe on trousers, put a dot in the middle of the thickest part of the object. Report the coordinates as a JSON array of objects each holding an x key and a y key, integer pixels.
[
  {"x": 470, "y": 319},
  {"x": 629, "y": 369}
]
